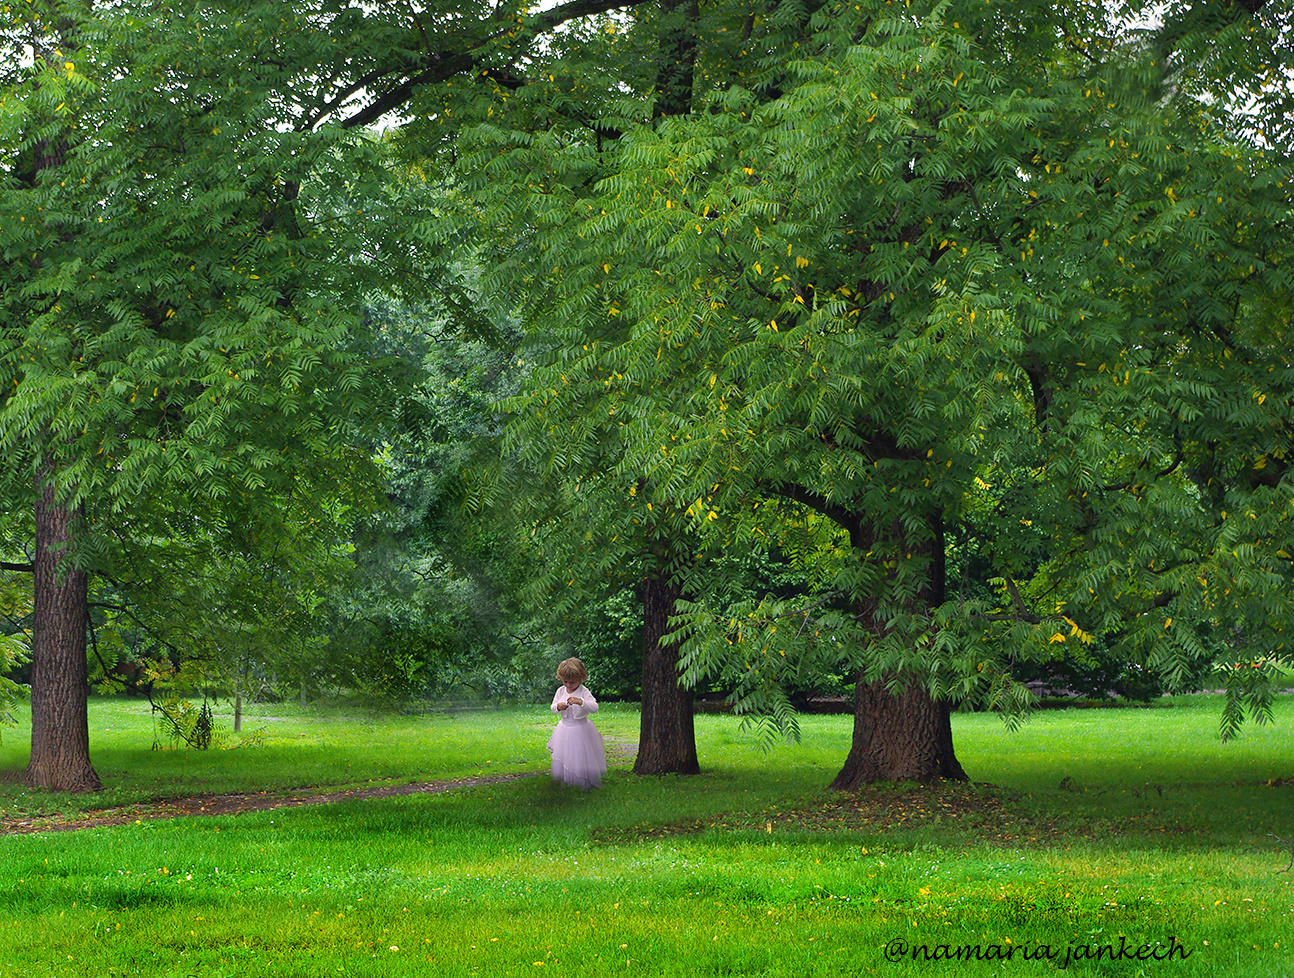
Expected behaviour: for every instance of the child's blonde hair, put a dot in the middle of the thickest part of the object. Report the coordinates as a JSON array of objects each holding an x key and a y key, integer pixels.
[{"x": 572, "y": 671}]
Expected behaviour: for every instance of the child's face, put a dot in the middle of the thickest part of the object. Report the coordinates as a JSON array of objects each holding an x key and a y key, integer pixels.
[{"x": 571, "y": 686}]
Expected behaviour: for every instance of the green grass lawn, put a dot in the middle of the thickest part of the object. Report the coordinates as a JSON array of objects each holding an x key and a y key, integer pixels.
[{"x": 1119, "y": 833}]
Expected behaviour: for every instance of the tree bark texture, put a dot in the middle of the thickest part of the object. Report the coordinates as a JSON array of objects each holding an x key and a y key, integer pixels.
[
  {"x": 898, "y": 737},
  {"x": 667, "y": 733},
  {"x": 905, "y": 735},
  {"x": 60, "y": 732}
]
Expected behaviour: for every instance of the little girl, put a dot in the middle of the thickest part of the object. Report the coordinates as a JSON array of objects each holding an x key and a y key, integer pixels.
[{"x": 579, "y": 756}]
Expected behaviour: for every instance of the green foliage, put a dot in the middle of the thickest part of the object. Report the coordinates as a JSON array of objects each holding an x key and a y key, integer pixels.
[
  {"x": 13, "y": 653},
  {"x": 607, "y": 634},
  {"x": 911, "y": 284},
  {"x": 237, "y": 591},
  {"x": 15, "y": 643},
  {"x": 435, "y": 608},
  {"x": 941, "y": 248},
  {"x": 170, "y": 689},
  {"x": 1250, "y": 689},
  {"x": 185, "y": 724},
  {"x": 151, "y": 341},
  {"x": 177, "y": 284}
]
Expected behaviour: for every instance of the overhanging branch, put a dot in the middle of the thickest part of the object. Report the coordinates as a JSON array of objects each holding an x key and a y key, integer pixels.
[{"x": 438, "y": 66}]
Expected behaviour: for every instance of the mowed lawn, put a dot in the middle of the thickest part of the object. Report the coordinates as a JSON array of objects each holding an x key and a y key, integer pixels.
[{"x": 1111, "y": 842}]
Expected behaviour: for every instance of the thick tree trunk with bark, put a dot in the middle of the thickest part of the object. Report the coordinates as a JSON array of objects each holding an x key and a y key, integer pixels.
[
  {"x": 60, "y": 734},
  {"x": 667, "y": 733},
  {"x": 904, "y": 735}
]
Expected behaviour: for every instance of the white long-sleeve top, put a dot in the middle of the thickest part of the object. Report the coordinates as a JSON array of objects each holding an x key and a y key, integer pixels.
[{"x": 576, "y": 711}]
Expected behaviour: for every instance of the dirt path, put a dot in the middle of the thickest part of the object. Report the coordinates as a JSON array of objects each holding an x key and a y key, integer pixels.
[
  {"x": 264, "y": 801},
  {"x": 237, "y": 804}
]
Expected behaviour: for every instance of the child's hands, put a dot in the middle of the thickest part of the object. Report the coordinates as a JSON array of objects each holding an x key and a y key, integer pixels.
[
  {"x": 575, "y": 701},
  {"x": 562, "y": 706}
]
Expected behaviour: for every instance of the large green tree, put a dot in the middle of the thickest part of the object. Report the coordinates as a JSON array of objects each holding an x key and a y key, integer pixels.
[
  {"x": 183, "y": 247},
  {"x": 170, "y": 310},
  {"x": 900, "y": 245}
]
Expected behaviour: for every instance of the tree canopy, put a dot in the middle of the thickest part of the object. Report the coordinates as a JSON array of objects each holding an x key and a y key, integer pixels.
[
  {"x": 980, "y": 310},
  {"x": 903, "y": 255}
]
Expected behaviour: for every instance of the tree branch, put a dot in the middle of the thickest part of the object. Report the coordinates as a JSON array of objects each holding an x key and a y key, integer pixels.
[
  {"x": 438, "y": 66},
  {"x": 836, "y": 513},
  {"x": 1021, "y": 611},
  {"x": 1166, "y": 471}
]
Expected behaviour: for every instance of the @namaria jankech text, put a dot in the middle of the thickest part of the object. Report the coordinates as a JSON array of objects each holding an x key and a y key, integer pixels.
[{"x": 899, "y": 949}]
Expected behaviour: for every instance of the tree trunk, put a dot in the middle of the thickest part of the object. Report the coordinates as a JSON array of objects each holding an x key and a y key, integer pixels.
[
  {"x": 60, "y": 729},
  {"x": 904, "y": 737},
  {"x": 667, "y": 734}
]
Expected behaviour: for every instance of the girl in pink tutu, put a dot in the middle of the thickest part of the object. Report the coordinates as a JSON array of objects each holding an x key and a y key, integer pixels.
[{"x": 579, "y": 756}]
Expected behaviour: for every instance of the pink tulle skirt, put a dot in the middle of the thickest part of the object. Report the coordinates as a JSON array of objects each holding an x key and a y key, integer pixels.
[{"x": 579, "y": 756}]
